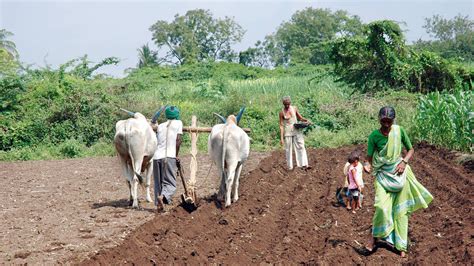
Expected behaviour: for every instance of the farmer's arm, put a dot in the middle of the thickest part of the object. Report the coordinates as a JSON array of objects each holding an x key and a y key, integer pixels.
[
  {"x": 178, "y": 143},
  {"x": 299, "y": 116},
  {"x": 282, "y": 130},
  {"x": 370, "y": 153},
  {"x": 407, "y": 143}
]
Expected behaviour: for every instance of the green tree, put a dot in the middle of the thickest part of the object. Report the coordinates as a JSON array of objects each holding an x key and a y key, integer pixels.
[
  {"x": 304, "y": 38},
  {"x": 453, "y": 38},
  {"x": 147, "y": 57},
  {"x": 448, "y": 29},
  {"x": 380, "y": 60},
  {"x": 7, "y": 45},
  {"x": 255, "y": 56},
  {"x": 197, "y": 37}
]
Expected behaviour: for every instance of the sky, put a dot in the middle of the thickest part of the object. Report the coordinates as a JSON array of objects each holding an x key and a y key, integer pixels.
[{"x": 54, "y": 32}]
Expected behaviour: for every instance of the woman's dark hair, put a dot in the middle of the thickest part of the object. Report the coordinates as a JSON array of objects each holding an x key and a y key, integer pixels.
[
  {"x": 353, "y": 157},
  {"x": 387, "y": 112}
]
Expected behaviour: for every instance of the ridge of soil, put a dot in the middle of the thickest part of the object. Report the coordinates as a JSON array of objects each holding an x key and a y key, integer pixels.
[{"x": 292, "y": 217}]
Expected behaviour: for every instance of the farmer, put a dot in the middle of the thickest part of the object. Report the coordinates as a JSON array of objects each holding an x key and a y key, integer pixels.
[
  {"x": 166, "y": 158},
  {"x": 291, "y": 137},
  {"x": 397, "y": 192}
]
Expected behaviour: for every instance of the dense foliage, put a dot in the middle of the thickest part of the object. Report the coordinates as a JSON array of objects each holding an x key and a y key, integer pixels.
[
  {"x": 453, "y": 38},
  {"x": 380, "y": 60},
  {"x": 197, "y": 37},
  {"x": 303, "y": 39},
  {"x": 71, "y": 111}
]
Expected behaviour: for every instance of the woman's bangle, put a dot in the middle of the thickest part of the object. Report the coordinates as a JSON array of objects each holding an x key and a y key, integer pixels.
[{"x": 403, "y": 160}]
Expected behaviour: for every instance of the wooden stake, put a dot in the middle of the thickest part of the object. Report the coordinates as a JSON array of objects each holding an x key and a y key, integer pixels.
[{"x": 193, "y": 166}]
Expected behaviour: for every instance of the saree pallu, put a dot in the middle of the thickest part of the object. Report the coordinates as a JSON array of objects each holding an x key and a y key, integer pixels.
[{"x": 396, "y": 196}]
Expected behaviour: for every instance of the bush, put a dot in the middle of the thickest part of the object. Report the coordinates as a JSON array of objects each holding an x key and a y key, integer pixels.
[
  {"x": 71, "y": 148},
  {"x": 382, "y": 61}
]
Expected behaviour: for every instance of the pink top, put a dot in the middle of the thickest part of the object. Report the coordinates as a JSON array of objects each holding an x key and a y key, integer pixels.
[{"x": 352, "y": 181}]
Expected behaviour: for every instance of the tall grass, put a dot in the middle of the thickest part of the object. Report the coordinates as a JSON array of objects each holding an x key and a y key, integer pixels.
[{"x": 340, "y": 116}]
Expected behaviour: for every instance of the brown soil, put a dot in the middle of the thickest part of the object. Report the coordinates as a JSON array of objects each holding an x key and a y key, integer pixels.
[
  {"x": 291, "y": 217},
  {"x": 66, "y": 210}
]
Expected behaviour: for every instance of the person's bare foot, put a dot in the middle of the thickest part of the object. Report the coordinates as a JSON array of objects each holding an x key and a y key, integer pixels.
[
  {"x": 353, "y": 211},
  {"x": 403, "y": 254},
  {"x": 370, "y": 245},
  {"x": 349, "y": 207},
  {"x": 160, "y": 206}
]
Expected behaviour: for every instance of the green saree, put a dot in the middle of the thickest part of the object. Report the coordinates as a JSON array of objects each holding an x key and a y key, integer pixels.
[{"x": 396, "y": 196}]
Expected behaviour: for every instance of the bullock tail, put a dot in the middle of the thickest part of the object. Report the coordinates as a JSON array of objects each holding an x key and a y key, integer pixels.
[
  {"x": 225, "y": 136},
  {"x": 140, "y": 178}
]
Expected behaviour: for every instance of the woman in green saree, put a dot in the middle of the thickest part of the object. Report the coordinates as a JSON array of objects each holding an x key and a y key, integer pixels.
[{"x": 397, "y": 192}]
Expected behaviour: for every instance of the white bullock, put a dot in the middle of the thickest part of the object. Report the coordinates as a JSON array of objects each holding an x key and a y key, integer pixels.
[
  {"x": 229, "y": 147},
  {"x": 135, "y": 142}
]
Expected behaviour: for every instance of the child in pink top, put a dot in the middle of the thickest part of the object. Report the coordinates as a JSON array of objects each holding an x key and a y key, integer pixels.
[{"x": 354, "y": 186}]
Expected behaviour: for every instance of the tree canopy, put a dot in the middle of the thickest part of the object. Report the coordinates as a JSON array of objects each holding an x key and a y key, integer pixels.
[
  {"x": 147, "y": 57},
  {"x": 453, "y": 38},
  {"x": 303, "y": 39},
  {"x": 197, "y": 37},
  {"x": 381, "y": 60},
  {"x": 7, "y": 45}
]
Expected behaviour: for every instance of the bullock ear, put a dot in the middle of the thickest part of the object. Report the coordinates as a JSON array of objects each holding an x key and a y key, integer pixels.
[
  {"x": 158, "y": 113},
  {"x": 221, "y": 117},
  {"x": 128, "y": 112},
  {"x": 239, "y": 115}
]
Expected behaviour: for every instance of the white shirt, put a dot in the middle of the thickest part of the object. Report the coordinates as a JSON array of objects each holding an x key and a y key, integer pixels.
[
  {"x": 166, "y": 135},
  {"x": 358, "y": 178}
]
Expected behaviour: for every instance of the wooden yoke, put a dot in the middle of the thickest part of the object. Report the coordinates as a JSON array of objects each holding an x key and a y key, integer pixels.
[{"x": 192, "y": 129}]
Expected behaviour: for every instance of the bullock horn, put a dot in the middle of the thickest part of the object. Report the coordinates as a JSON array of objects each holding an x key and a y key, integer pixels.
[
  {"x": 158, "y": 113},
  {"x": 128, "y": 112},
  {"x": 221, "y": 117},
  {"x": 239, "y": 115}
]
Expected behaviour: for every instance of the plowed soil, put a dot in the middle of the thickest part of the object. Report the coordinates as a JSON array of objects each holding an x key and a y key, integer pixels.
[
  {"x": 292, "y": 217},
  {"x": 64, "y": 211}
]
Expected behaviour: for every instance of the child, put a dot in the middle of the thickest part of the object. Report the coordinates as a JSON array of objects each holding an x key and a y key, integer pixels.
[{"x": 355, "y": 182}]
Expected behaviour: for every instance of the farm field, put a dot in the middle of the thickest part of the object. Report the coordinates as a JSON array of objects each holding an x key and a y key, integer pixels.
[
  {"x": 329, "y": 73},
  {"x": 66, "y": 210},
  {"x": 74, "y": 211}
]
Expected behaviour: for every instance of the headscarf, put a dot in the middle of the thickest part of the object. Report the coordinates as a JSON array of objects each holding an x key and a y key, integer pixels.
[{"x": 172, "y": 112}]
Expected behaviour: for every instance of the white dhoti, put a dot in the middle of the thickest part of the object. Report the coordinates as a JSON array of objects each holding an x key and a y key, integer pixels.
[{"x": 296, "y": 142}]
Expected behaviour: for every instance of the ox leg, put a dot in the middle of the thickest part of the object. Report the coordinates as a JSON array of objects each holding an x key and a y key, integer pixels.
[
  {"x": 130, "y": 199},
  {"x": 135, "y": 181},
  {"x": 148, "y": 172},
  {"x": 222, "y": 191},
  {"x": 128, "y": 173},
  {"x": 134, "y": 189},
  {"x": 229, "y": 181},
  {"x": 236, "y": 183}
]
